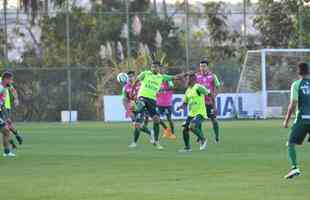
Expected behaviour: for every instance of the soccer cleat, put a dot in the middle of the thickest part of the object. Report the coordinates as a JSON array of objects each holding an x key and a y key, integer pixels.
[
  {"x": 152, "y": 137},
  {"x": 9, "y": 154},
  {"x": 217, "y": 141},
  {"x": 292, "y": 173},
  {"x": 173, "y": 137},
  {"x": 158, "y": 146},
  {"x": 185, "y": 150},
  {"x": 203, "y": 146},
  {"x": 167, "y": 133},
  {"x": 19, "y": 139},
  {"x": 133, "y": 145}
]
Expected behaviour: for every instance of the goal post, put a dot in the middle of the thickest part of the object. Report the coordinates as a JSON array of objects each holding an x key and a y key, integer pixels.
[{"x": 268, "y": 73}]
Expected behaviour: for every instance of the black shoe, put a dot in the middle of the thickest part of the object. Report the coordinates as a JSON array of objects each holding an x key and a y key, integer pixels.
[{"x": 19, "y": 139}]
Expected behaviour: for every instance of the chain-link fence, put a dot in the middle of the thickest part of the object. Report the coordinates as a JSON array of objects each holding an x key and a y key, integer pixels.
[{"x": 65, "y": 54}]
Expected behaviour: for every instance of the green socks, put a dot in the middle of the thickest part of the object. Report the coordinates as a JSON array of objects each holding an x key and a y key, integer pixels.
[
  {"x": 171, "y": 125},
  {"x": 292, "y": 155},
  {"x": 186, "y": 139},
  {"x": 216, "y": 130},
  {"x": 162, "y": 123},
  {"x": 199, "y": 134},
  {"x": 156, "y": 131},
  {"x": 146, "y": 130},
  {"x": 136, "y": 135}
]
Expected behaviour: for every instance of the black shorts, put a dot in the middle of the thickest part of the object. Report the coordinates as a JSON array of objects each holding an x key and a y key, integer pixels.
[
  {"x": 210, "y": 111},
  {"x": 148, "y": 105},
  {"x": 165, "y": 111},
  {"x": 197, "y": 121}
]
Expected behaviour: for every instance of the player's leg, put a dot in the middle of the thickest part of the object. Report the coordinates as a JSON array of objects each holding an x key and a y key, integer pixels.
[
  {"x": 151, "y": 109},
  {"x": 11, "y": 127},
  {"x": 171, "y": 124},
  {"x": 212, "y": 116},
  {"x": 136, "y": 134},
  {"x": 186, "y": 137},
  {"x": 195, "y": 127},
  {"x": 12, "y": 143},
  {"x": 6, "y": 140},
  {"x": 296, "y": 137},
  {"x": 144, "y": 127},
  {"x": 137, "y": 119},
  {"x": 162, "y": 113}
]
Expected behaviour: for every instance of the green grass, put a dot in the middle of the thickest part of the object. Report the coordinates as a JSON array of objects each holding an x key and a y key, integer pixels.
[{"x": 91, "y": 161}]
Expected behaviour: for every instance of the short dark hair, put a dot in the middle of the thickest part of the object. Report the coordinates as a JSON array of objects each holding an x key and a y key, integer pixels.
[
  {"x": 7, "y": 74},
  {"x": 303, "y": 68},
  {"x": 205, "y": 61},
  {"x": 131, "y": 72}
]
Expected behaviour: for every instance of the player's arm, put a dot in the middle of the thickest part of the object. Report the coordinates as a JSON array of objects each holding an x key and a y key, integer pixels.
[
  {"x": 292, "y": 105},
  {"x": 203, "y": 91},
  {"x": 217, "y": 82},
  {"x": 15, "y": 95},
  {"x": 174, "y": 77},
  {"x": 184, "y": 104}
]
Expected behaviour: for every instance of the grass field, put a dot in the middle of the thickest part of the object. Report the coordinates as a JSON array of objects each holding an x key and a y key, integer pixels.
[{"x": 91, "y": 161}]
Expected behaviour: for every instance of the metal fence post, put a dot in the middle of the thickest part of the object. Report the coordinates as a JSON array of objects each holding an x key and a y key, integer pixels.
[
  {"x": 68, "y": 59},
  {"x": 5, "y": 47},
  {"x": 187, "y": 34},
  {"x": 128, "y": 30}
]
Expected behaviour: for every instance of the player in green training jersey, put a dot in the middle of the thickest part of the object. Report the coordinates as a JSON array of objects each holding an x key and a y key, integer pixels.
[
  {"x": 300, "y": 99},
  {"x": 151, "y": 81},
  {"x": 195, "y": 100}
]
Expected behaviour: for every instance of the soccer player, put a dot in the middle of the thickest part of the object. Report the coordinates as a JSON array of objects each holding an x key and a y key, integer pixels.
[
  {"x": 195, "y": 100},
  {"x": 6, "y": 80},
  {"x": 11, "y": 97},
  {"x": 164, "y": 105},
  {"x": 208, "y": 79},
  {"x": 300, "y": 99},
  {"x": 129, "y": 105},
  {"x": 151, "y": 81}
]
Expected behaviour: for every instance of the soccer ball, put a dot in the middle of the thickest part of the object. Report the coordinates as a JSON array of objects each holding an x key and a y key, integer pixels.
[{"x": 122, "y": 78}]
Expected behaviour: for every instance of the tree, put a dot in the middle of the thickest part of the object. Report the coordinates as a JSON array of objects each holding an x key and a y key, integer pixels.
[{"x": 274, "y": 23}]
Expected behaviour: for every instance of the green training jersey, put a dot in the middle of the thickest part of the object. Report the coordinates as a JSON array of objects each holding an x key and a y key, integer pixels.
[
  {"x": 300, "y": 92},
  {"x": 150, "y": 83},
  {"x": 195, "y": 98}
]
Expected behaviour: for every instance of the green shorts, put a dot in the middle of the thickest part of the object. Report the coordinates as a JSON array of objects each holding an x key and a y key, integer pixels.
[{"x": 298, "y": 132}]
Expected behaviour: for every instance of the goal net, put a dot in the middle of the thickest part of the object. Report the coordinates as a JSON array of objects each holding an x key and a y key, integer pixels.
[{"x": 267, "y": 74}]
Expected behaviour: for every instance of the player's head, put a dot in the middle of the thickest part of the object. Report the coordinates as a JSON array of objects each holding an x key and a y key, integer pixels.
[
  {"x": 131, "y": 75},
  {"x": 204, "y": 65},
  {"x": 156, "y": 67},
  {"x": 191, "y": 79},
  {"x": 303, "y": 69},
  {"x": 7, "y": 78}
]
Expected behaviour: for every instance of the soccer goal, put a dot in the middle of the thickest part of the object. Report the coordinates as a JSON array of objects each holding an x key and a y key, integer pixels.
[{"x": 268, "y": 74}]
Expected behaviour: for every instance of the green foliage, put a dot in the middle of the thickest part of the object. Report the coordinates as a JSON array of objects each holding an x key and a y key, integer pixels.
[{"x": 274, "y": 23}]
